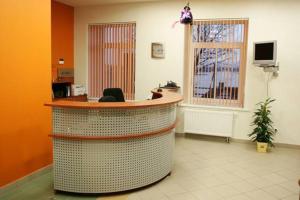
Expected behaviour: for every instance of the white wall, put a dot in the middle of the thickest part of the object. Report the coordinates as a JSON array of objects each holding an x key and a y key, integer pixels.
[{"x": 268, "y": 20}]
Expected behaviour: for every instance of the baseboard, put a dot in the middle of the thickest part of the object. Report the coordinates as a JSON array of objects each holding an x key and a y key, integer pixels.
[
  {"x": 244, "y": 141},
  {"x": 277, "y": 144},
  {"x": 205, "y": 137},
  {"x": 180, "y": 134},
  {"x": 25, "y": 179},
  {"x": 290, "y": 146}
]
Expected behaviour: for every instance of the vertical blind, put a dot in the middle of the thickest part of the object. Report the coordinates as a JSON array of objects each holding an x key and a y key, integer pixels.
[
  {"x": 111, "y": 58},
  {"x": 218, "y": 61}
]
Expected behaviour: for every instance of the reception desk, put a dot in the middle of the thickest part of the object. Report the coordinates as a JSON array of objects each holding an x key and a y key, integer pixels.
[{"x": 112, "y": 147}]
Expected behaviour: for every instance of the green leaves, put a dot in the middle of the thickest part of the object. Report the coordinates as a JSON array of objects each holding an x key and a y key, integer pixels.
[{"x": 263, "y": 125}]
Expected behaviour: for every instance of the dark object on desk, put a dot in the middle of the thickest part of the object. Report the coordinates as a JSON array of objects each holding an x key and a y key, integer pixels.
[
  {"x": 61, "y": 90},
  {"x": 115, "y": 92},
  {"x": 107, "y": 99},
  {"x": 156, "y": 95},
  {"x": 171, "y": 84}
]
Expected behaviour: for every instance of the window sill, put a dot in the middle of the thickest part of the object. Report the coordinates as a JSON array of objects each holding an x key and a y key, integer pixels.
[{"x": 184, "y": 105}]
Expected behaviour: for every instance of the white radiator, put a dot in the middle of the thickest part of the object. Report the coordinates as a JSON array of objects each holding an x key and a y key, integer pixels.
[{"x": 214, "y": 123}]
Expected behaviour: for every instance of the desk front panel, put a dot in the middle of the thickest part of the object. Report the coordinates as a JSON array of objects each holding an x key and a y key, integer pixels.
[{"x": 112, "y": 163}]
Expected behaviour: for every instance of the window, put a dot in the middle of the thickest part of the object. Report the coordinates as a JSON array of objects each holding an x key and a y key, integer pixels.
[
  {"x": 218, "y": 58},
  {"x": 111, "y": 58}
]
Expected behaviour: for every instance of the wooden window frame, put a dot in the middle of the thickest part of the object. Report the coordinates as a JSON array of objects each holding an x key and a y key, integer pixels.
[{"x": 189, "y": 48}]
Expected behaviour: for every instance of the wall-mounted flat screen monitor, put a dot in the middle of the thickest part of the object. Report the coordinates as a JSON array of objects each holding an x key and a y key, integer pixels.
[{"x": 265, "y": 53}]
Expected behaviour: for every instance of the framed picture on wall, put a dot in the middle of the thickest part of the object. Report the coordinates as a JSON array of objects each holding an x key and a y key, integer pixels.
[{"x": 157, "y": 50}]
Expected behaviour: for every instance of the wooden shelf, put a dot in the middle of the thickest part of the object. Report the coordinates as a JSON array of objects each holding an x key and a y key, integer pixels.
[{"x": 80, "y": 98}]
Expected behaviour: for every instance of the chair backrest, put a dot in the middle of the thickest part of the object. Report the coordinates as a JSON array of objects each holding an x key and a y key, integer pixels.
[
  {"x": 115, "y": 92},
  {"x": 107, "y": 99}
]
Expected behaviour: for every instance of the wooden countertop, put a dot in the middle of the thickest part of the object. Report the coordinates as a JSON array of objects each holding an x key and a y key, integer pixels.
[{"x": 165, "y": 99}]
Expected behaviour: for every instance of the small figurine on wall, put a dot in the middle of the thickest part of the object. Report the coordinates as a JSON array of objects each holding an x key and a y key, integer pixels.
[{"x": 186, "y": 16}]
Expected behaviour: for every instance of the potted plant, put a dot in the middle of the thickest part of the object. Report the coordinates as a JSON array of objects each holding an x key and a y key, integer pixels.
[{"x": 263, "y": 132}]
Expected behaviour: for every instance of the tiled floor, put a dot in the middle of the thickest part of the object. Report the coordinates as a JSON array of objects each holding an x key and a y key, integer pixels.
[{"x": 203, "y": 170}]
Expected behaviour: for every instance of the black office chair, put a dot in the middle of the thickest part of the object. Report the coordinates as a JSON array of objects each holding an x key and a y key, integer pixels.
[
  {"x": 107, "y": 99},
  {"x": 115, "y": 92}
]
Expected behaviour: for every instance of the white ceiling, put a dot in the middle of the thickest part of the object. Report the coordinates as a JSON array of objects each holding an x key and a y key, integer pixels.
[{"x": 76, "y": 3}]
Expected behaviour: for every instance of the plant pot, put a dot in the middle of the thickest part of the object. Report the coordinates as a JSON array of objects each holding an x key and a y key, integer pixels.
[{"x": 261, "y": 147}]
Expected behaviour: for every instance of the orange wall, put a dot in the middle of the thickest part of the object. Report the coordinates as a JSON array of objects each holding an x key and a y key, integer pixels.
[
  {"x": 62, "y": 33},
  {"x": 25, "y": 77}
]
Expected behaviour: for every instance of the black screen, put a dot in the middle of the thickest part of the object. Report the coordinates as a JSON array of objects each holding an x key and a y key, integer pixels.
[{"x": 264, "y": 51}]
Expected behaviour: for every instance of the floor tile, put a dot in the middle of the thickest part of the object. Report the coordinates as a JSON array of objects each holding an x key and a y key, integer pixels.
[
  {"x": 226, "y": 191},
  {"x": 259, "y": 194},
  {"x": 171, "y": 188},
  {"x": 291, "y": 197},
  {"x": 259, "y": 182},
  {"x": 277, "y": 191},
  {"x": 115, "y": 197},
  {"x": 274, "y": 178},
  {"x": 243, "y": 186},
  {"x": 183, "y": 196},
  {"x": 292, "y": 186},
  {"x": 207, "y": 194},
  {"x": 238, "y": 197}
]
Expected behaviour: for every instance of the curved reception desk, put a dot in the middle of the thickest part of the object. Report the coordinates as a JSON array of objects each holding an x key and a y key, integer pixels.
[{"x": 112, "y": 147}]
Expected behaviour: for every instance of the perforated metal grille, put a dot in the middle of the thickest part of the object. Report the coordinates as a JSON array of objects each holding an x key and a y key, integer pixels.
[
  {"x": 100, "y": 166},
  {"x": 111, "y": 121},
  {"x": 110, "y": 166}
]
